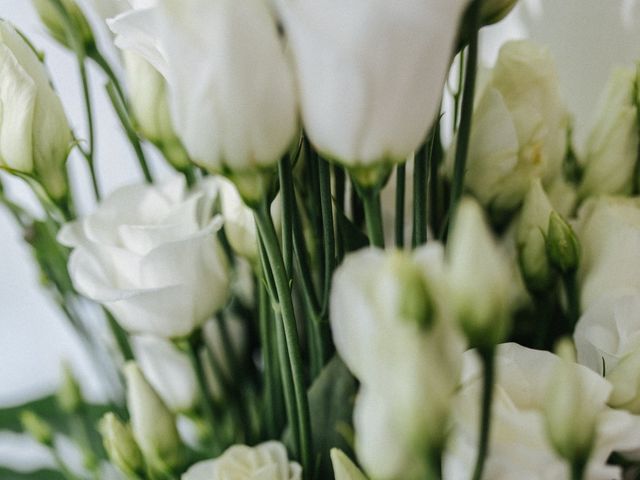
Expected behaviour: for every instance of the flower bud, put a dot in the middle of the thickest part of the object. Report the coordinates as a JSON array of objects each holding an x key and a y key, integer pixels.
[
  {"x": 153, "y": 425},
  {"x": 34, "y": 134},
  {"x": 530, "y": 238},
  {"x": 625, "y": 378},
  {"x": 491, "y": 11},
  {"x": 120, "y": 445},
  {"x": 37, "y": 427},
  {"x": 56, "y": 22},
  {"x": 416, "y": 304},
  {"x": 570, "y": 415},
  {"x": 150, "y": 105},
  {"x": 563, "y": 246},
  {"x": 343, "y": 467},
  {"x": 69, "y": 395},
  {"x": 479, "y": 278},
  {"x": 612, "y": 146}
]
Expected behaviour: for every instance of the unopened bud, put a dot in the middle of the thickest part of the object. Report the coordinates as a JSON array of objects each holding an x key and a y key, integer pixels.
[
  {"x": 416, "y": 304},
  {"x": 120, "y": 445},
  {"x": 625, "y": 378},
  {"x": 563, "y": 246},
  {"x": 58, "y": 22},
  {"x": 343, "y": 467},
  {"x": 69, "y": 395},
  {"x": 37, "y": 427}
]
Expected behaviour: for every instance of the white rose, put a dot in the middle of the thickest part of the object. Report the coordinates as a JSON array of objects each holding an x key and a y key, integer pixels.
[
  {"x": 240, "y": 114},
  {"x": 267, "y": 461},
  {"x": 391, "y": 327},
  {"x": 519, "y": 128},
  {"x": 519, "y": 446},
  {"x": 363, "y": 105},
  {"x": 612, "y": 146},
  {"x": 150, "y": 255},
  {"x": 168, "y": 370},
  {"x": 607, "y": 338},
  {"x": 609, "y": 232},
  {"x": 35, "y": 137}
]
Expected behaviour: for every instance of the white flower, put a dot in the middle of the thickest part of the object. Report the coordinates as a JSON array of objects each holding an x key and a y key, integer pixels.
[
  {"x": 267, "y": 461},
  {"x": 120, "y": 445},
  {"x": 519, "y": 447},
  {"x": 479, "y": 276},
  {"x": 609, "y": 232},
  {"x": 150, "y": 107},
  {"x": 612, "y": 147},
  {"x": 238, "y": 113},
  {"x": 391, "y": 326},
  {"x": 168, "y": 370},
  {"x": 150, "y": 255},
  {"x": 519, "y": 128},
  {"x": 35, "y": 138},
  {"x": 153, "y": 425},
  {"x": 607, "y": 338},
  {"x": 362, "y": 105}
]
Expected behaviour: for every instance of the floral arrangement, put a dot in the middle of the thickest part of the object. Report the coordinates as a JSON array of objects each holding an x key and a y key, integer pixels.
[{"x": 327, "y": 286}]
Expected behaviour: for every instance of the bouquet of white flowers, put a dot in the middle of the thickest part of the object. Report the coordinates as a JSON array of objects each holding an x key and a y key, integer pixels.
[{"x": 355, "y": 270}]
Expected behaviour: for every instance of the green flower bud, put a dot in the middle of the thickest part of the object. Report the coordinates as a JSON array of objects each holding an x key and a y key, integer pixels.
[
  {"x": 122, "y": 449},
  {"x": 416, "y": 304},
  {"x": 69, "y": 395},
  {"x": 37, "y": 427},
  {"x": 563, "y": 246},
  {"x": 343, "y": 467},
  {"x": 152, "y": 423},
  {"x": 625, "y": 378},
  {"x": 56, "y": 22}
]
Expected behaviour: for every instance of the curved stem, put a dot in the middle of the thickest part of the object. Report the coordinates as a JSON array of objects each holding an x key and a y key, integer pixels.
[
  {"x": 289, "y": 328},
  {"x": 373, "y": 216},
  {"x": 328, "y": 236},
  {"x": 488, "y": 363},
  {"x": 89, "y": 154},
  {"x": 464, "y": 131}
]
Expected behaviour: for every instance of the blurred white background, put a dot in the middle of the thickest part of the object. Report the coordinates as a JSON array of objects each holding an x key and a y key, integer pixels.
[{"x": 587, "y": 37}]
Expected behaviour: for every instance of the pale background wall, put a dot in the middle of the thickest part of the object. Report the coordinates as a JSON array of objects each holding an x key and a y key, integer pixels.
[{"x": 587, "y": 37}]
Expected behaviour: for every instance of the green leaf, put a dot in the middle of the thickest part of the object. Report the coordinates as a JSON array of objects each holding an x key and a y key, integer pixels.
[
  {"x": 331, "y": 399},
  {"x": 7, "y": 474}
]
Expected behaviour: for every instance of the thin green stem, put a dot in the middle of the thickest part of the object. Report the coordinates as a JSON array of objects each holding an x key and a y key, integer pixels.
[
  {"x": 194, "y": 344},
  {"x": 340, "y": 187},
  {"x": 572, "y": 292},
  {"x": 578, "y": 470},
  {"x": 400, "y": 200},
  {"x": 268, "y": 361},
  {"x": 289, "y": 330},
  {"x": 420, "y": 196},
  {"x": 328, "y": 237},
  {"x": 287, "y": 199},
  {"x": 488, "y": 364},
  {"x": 89, "y": 154},
  {"x": 464, "y": 131},
  {"x": 123, "y": 115},
  {"x": 373, "y": 216},
  {"x": 434, "y": 464}
]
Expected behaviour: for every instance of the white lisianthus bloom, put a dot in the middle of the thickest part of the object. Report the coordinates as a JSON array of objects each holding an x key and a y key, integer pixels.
[
  {"x": 150, "y": 107},
  {"x": 482, "y": 293},
  {"x": 519, "y": 128},
  {"x": 35, "y": 137},
  {"x": 391, "y": 326},
  {"x": 151, "y": 256},
  {"x": 612, "y": 146},
  {"x": 367, "y": 106},
  {"x": 121, "y": 447},
  {"x": 168, "y": 370},
  {"x": 152, "y": 424},
  {"x": 267, "y": 461},
  {"x": 609, "y": 232},
  {"x": 238, "y": 115},
  {"x": 607, "y": 339},
  {"x": 519, "y": 445}
]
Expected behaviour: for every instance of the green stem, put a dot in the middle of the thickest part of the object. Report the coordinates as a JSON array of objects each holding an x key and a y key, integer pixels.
[
  {"x": 400, "y": 197},
  {"x": 373, "y": 216},
  {"x": 121, "y": 110},
  {"x": 194, "y": 343},
  {"x": 269, "y": 363},
  {"x": 572, "y": 291},
  {"x": 578, "y": 470},
  {"x": 328, "y": 236},
  {"x": 464, "y": 132},
  {"x": 287, "y": 200},
  {"x": 289, "y": 330},
  {"x": 420, "y": 196},
  {"x": 120, "y": 336},
  {"x": 434, "y": 464},
  {"x": 488, "y": 363},
  {"x": 89, "y": 154},
  {"x": 340, "y": 179}
]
